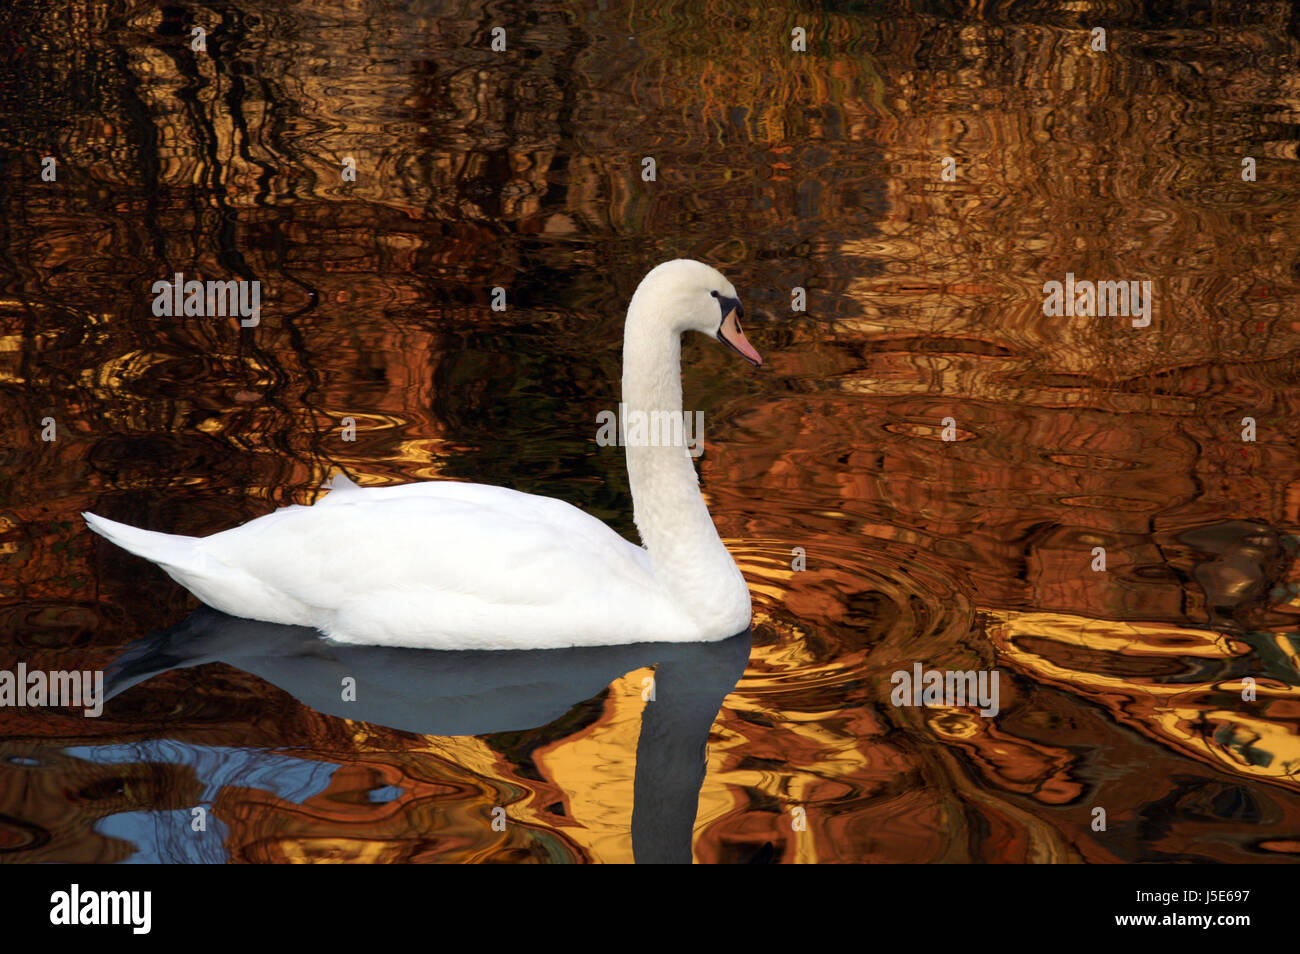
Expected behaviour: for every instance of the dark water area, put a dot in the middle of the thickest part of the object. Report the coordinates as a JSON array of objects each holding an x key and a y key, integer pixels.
[{"x": 947, "y": 455}]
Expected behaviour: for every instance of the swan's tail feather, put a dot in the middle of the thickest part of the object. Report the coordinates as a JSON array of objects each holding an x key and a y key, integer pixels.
[{"x": 165, "y": 549}]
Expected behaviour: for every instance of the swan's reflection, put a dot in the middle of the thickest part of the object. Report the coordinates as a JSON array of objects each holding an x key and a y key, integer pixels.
[{"x": 442, "y": 692}]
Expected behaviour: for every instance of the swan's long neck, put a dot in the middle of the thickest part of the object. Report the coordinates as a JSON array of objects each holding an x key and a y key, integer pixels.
[{"x": 688, "y": 556}]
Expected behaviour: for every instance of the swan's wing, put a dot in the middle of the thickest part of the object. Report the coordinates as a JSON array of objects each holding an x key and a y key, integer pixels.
[
  {"x": 448, "y": 563},
  {"x": 340, "y": 481},
  {"x": 494, "y": 505}
]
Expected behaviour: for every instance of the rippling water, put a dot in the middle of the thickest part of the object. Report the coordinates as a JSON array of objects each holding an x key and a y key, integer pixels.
[{"x": 1120, "y": 690}]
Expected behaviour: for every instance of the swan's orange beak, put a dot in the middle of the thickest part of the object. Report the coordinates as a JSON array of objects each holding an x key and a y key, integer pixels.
[{"x": 730, "y": 333}]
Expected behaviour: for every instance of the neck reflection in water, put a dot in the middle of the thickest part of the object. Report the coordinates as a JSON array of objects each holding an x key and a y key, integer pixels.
[{"x": 464, "y": 692}]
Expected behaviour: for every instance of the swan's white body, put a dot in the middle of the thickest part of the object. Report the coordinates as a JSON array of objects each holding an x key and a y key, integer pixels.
[{"x": 446, "y": 565}]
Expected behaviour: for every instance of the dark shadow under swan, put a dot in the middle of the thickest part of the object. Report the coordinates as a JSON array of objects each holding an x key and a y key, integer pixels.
[{"x": 477, "y": 692}]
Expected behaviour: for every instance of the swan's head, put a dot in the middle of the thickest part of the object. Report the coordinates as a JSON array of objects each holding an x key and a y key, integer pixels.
[{"x": 693, "y": 296}]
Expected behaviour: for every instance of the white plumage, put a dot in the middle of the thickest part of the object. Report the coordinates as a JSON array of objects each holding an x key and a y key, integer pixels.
[{"x": 446, "y": 565}]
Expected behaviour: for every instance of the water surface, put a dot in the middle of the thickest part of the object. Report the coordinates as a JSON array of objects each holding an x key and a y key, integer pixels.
[{"x": 522, "y": 169}]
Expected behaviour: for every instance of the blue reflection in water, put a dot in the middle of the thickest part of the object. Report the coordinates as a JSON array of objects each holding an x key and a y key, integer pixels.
[{"x": 167, "y": 835}]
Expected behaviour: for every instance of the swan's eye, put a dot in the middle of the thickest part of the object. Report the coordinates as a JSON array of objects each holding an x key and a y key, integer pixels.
[{"x": 728, "y": 305}]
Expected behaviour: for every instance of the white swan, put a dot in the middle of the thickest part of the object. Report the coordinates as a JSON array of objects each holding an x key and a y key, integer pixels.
[{"x": 446, "y": 565}]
